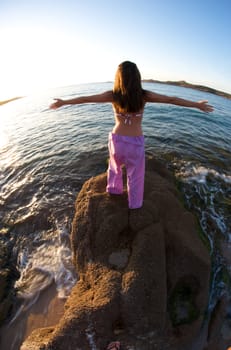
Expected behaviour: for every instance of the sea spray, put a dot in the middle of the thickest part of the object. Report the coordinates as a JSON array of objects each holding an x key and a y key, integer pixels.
[
  {"x": 205, "y": 190},
  {"x": 50, "y": 261}
]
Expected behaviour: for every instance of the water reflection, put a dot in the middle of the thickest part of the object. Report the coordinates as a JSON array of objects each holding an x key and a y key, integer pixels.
[{"x": 3, "y": 137}]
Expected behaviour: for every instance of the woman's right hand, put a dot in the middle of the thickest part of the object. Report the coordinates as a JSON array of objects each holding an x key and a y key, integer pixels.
[
  {"x": 204, "y": 106},
  {"x": 58, "y": 103}
]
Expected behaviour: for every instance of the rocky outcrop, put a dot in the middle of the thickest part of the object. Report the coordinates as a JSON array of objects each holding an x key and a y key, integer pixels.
[
  {"x": 184, "y": 83},
  {"x": 143, "y": 274}
]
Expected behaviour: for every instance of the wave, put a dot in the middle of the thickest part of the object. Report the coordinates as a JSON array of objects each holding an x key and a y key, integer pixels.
[
  {"x": 45, "y": 263},
  {"x": 201, "y": 174}
]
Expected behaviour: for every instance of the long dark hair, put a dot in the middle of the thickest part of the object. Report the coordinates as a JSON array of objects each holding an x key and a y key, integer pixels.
[{"x": 128, "y": 94}]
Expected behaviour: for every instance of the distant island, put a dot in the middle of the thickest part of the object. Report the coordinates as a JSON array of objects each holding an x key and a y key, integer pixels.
[
  {"x": 183, "y": 83},
  {"x": 9, "y": 100}
]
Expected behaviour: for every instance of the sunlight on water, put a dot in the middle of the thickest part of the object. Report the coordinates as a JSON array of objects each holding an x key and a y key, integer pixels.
[
  {"x": 3, "y": 138},
  {"x": 3, "y": 134}
]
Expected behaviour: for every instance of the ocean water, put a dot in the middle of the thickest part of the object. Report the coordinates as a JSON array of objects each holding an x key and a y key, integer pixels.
[{"x": 46, "y": 155}]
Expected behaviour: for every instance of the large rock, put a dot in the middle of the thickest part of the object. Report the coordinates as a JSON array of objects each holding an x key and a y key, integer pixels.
[{"x": 143, "y": 274}]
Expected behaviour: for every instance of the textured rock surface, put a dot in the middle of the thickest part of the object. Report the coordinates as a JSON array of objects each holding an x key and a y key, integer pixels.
[{"x": 143, "y": 274}]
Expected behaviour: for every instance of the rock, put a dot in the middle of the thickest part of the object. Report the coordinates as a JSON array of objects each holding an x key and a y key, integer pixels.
[
  {"x": 143, "y": 274},
  {"x": 219, "y": 336}
]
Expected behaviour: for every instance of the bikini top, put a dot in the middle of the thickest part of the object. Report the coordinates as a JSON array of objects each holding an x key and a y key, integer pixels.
[{"x": 128, "y": 116}]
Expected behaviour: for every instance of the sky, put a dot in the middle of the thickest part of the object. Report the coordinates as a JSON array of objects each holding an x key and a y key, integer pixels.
[{"x": 52, "y": 43}]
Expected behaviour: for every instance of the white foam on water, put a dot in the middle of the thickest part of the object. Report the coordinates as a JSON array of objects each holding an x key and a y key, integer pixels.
[
  {"x": 46, "y": 262},
  {"x": 200, "y": 174},
  {"x": 90, "y": 334},
  {"x": 210, "y": 186},
  {"x": 207, "y": 193}
]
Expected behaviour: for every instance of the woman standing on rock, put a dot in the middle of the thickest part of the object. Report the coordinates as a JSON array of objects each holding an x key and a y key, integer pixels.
[{"x": 126, "y": 141}]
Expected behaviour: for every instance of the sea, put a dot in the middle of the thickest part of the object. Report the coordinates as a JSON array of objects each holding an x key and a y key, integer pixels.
[{"x": 46, "y": 156}]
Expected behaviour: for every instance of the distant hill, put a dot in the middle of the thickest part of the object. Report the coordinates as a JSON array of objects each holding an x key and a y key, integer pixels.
[{"x": 191, "y": 86}]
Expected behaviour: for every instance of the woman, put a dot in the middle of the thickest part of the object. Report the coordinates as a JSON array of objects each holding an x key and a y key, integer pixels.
[{"x": 126, "y": 141}]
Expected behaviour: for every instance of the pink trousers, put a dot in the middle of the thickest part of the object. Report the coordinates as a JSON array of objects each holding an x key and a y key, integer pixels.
[{"x": 128, "y": 151}]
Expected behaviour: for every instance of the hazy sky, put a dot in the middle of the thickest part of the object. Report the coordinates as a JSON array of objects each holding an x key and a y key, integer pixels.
[{"x": 53, "y": 43}]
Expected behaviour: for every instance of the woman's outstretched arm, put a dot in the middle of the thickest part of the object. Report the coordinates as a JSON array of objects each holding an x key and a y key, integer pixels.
[
  {"x": 98, "y": 98},
  {"x": 157, "y": 98}
]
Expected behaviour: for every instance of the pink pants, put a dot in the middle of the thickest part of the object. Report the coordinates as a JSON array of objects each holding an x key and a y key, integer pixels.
[{"x": 127, "y": 150}]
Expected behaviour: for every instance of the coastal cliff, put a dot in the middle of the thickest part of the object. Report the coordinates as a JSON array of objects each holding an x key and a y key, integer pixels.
[{"x": 144, "y": 274}]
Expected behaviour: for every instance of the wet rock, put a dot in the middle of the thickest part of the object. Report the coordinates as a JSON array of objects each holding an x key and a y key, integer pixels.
[
  {"x": 143, "y": 274},
  {"x": 219, "y": 335}
]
